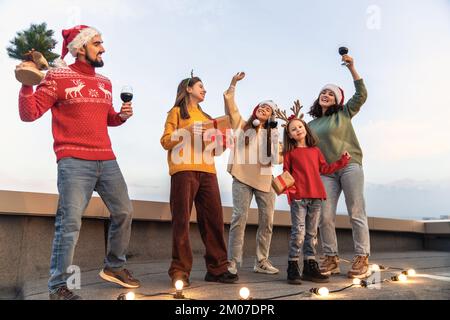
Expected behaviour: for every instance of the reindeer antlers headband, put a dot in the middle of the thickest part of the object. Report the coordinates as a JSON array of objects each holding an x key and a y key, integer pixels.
[
  {"x": 296, "y": 114},
  {"x": 189, "y": 79}
]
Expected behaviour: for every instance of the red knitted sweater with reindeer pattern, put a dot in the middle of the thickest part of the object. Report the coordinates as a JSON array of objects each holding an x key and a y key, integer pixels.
[{"x": 81, "y": 104}]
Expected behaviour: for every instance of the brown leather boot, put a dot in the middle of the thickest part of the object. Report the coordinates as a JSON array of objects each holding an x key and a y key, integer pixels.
[{"x": 330, "y": 265}]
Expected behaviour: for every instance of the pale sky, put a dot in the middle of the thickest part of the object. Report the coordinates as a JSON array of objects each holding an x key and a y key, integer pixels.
[{"x": 288, "y": 50}]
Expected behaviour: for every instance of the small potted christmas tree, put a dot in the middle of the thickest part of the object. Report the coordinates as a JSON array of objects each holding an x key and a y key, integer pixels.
[{"x": 34, "y": 47}]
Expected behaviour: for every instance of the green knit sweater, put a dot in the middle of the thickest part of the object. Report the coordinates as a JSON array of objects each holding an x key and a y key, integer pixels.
[{"x": 336, "y": 133}]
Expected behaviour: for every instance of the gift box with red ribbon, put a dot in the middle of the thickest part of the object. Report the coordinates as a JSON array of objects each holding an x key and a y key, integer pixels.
[
  {"x": 283, "y": 182},
  {"x": 223, "y": 133}
]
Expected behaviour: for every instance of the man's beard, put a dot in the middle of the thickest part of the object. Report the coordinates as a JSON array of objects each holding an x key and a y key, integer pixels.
[{"x": 94, "y": 63}]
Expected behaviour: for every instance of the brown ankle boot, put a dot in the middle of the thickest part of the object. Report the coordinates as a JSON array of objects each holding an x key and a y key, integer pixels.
[
  {"x": 360, "y": 267},
  {"x": 330, "y": 265}
]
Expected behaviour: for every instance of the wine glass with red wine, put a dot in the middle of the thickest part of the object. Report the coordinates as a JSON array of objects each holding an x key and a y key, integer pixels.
[
  {"x": 127, "y": 94},
  {"x": 342, "y": 51}
]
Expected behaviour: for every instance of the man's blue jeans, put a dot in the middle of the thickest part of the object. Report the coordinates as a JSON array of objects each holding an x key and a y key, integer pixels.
[{"x": 77, "y": 180}]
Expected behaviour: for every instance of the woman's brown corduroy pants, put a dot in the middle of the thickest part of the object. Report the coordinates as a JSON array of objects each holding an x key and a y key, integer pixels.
[{"x": 201, "y": 188}]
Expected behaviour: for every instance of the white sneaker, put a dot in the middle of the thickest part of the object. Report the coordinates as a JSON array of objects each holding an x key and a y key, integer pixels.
[
  {"x": 265, "y": 266},
  {"x": 232, "y": 267}
]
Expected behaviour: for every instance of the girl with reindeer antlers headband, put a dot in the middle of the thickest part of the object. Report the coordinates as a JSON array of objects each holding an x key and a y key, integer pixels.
[{"x": 304, "y": 161}]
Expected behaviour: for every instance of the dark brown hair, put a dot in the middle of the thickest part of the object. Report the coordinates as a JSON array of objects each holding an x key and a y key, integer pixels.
[
  {"x": 182, "y": 100},
  {"x": 289, "y": 144},
  {"x": 316, "y": 109}
]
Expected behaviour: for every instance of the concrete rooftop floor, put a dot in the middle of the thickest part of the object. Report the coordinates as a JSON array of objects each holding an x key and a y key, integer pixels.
[{"x": 431, "y": 283}]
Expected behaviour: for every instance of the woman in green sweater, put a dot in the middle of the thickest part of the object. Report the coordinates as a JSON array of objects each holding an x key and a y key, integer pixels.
[{"x": 333, "y": 125}]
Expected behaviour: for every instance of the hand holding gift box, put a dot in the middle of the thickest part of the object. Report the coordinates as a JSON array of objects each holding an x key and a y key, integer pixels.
[
  {"x": 219, "y": 130},
  {"x": 221, "y": 123},
  {"x": 283, "y": 182}
]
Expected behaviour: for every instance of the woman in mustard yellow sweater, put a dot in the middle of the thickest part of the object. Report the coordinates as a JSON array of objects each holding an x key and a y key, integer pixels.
[{"x": 193, "y": 180}]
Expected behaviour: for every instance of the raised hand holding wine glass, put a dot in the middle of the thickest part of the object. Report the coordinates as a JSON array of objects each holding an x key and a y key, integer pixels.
[
  {"x": 126, "y": 95},
  {"x": 343, "y": 51}
]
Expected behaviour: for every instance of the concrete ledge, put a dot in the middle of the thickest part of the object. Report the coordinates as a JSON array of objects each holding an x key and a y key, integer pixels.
[
  {"x": 437, "y": 227},
  {"x": 25, "y": 247},
  {"x": 41, "y": 204},
  {"x": 383, "y": 224}
]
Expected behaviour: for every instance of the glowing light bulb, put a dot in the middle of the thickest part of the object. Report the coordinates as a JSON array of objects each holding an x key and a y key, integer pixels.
[
  {"x": 244, "y": 293},
  {"x": 130, "y": 296},
  {"x": 375, "y": 268},
  {"x": 323, "y": 292},
  {"x": 179, "y": 285},
  {"x": 402, "y": 278},
  {"x": 357, "y": 282},
  {"x": 411, "y": 273}
]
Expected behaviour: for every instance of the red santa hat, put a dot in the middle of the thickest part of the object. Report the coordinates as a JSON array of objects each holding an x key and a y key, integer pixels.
[
  {"x": 338, "y": 93},
  {"x": 75, "y": 38},
  {"x": 269, "y": 103}
]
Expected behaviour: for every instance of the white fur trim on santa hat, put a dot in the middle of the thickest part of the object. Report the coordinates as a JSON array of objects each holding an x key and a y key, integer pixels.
[
  {"x": 338, "y": 93},
  {"x": 270, "y": 103},
  {"x": 81, "y": 39}
]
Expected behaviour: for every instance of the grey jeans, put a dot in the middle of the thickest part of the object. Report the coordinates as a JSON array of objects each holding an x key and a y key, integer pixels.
[
  {"x": 305, "y": 215},
  {"x": 242, "y": 197},
  {"x": 350, "y": 180}
]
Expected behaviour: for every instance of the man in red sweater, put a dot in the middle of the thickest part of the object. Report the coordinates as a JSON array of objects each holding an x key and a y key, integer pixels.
[{"x": 81, "y": 104}]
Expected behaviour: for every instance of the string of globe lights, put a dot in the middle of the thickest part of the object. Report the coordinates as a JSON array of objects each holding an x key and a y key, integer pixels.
[{"x": 245, "y": 294}]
